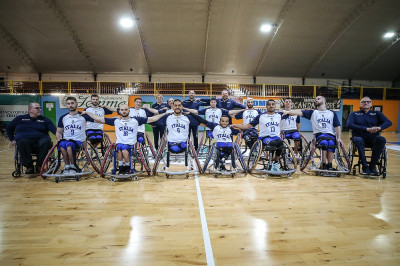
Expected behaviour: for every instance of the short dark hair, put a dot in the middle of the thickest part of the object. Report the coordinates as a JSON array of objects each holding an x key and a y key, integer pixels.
[
  {"x": 213, "y": 99},
  {"x": 94, "y": 95},
  {"x": 177, "y": 100},
  {"x": 270, "y": 100},
  {"x": 139, "y": 99},
  {"x": 288, "y": 98},
  {"x": 71, "y": 98},
  {"x": 223, "y": 116}
]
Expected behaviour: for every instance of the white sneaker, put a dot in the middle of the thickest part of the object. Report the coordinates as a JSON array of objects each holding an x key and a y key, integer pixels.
[
  {"x": 66, "y": 171},
  {"x": 72, "y": 171},
  {"x": 275, "y": 167}
]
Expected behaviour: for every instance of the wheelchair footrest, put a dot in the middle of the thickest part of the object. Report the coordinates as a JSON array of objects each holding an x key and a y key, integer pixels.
[
  {"x": 278, "y": 173},
  {"x": 179, "y": 172}
]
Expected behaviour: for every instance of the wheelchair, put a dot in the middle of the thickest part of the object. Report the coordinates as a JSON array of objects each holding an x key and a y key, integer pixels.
[
  {"x": 303, "y": 143},
  {"x": 165, "y": 158},
  {"x": 214, "y": 161},
  {"x": 353, "y": 153},
  {"x": 97, "y": 154},
  {"x": 261, "y": 159},
  {"x": 19, "y": 168},
  {"x": 138, "y": 156},
  {"x": 51, "y": 167},
  {"x": 313, "y": 153},
  {"x": 245, "y": 143}
]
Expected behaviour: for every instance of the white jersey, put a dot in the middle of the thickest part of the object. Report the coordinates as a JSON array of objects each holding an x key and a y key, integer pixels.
[
  {"x": 178, "y": 128},
  {"x": 213, "y": 114},
  {"x": 138, "y": 113},
  {"x": 322, "y": 121},
  {"x": 249, "y": 115},
  {"x": 126, "y": 129},
  {"x": 74, "y": 126},
  {"x": 289, "y": 122},
  {"x": 222, "y": 134},
  {"x": 98, "y": 111},
  {"x": 269, "y": 124}
]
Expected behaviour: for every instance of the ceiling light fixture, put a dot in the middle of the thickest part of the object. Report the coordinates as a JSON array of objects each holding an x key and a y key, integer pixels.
[
  {"x": 126, "y": 23},
  {"x": 389, "y": 35},
  {"x": 266, "y": 28}
]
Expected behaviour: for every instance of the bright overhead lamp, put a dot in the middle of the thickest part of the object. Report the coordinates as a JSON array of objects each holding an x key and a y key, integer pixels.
[
  {"x": 389, "y": 35},
  {"x": 126, "y": 23},
  {"x": 266, "y": 28}
]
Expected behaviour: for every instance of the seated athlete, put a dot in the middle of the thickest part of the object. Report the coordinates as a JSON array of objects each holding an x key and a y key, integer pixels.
[
  {"x": 126, "y": 129},
  {"x": 269, "y": 131},
  {"x": 223, "y": 136},
  {"x": 290, "y": 127},
  {"x": 249, "y": 135}
]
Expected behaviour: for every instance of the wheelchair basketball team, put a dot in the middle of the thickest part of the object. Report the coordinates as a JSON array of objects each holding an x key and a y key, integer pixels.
[{"x": 268, "y": 142}]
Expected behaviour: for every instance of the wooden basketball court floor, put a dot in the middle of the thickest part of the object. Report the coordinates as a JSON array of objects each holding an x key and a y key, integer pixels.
[{"x": 248, "y": 220}]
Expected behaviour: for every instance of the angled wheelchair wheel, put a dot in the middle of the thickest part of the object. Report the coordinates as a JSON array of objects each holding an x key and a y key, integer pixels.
[
  {"x": 201, "y": 143},
  {"x": 254, "y": 156},
  {"x": 194, "y": 156},
  {"x": 287, "y": 160},
  {"x": 209, "y": 156},
  {"x": 351, "y": 153},
  {"x": 94, "y": 157},
  {"x": 82, "y": 158},
  {"x": 239, "y": 156},
  {"x": 160, "y": 153},
  {"x": 108, "y": 159},
  {"x": 52, "y": 162},
  {"x": 303, "y": 143},
  {"x": 144, "y": 157},
  {"x": 150, "y": 145},
  {"x": 105, "y": 144},
  {"x": 342, "y": 157},
  {"x": 307, "y": 154}
]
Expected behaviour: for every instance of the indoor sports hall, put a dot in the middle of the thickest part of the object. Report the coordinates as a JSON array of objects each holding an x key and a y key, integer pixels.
[{"x": 194, "y": 206}]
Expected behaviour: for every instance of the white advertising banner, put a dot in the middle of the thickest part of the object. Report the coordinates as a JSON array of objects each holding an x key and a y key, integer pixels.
[
  {"x": 9, "y": 112},
  {"x": 104, "y": 100}
]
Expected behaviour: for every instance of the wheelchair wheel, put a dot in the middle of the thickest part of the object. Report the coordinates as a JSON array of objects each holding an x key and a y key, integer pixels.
[
  {"x": 52, "y": 162},
  {"x": 194, "y": 155},
  {"x": 160, "y": 153},
  {"x": 307, "y": 154},
  {"x": 150, "y": 145},
  {"x": 209, "y": 157},
  {"x": 383, "y": 163},
  {"x": 202, "y": 140},
  {"x": 239, "y": 156},
  {"x": 142, "y": 151},
  {"x": 108, "y": 158},
  {"x": 82, "y": 157},
  {"x": 342, "y": 157},
  {"x": 94, "y": 157},
  {"x": 105, "y": 145},
  {"x": 16, "y": 174},
  {"x": 287, "y": 160},
  {"x": 254, "y": 156},
  {"x": 303, "y": 143}
]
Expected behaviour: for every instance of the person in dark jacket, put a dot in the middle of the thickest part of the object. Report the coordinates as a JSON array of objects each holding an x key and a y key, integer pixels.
[
  {"x": 192, "y": 103},
  {"x": 30, "y": 133},
  {"x": 366, "y": 126}
]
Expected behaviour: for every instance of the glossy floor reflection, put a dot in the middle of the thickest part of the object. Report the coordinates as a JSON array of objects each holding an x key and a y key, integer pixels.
[{"x": 306, "y": 220}]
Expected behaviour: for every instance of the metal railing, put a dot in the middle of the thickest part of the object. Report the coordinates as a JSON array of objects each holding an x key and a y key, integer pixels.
[{"x": 207, "y": 89}]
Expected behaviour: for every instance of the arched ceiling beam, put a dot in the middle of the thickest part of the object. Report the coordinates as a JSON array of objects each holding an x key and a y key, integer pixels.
[
  {"x": 338, "y": 32},
  {"x": 206, "y": 36},
  {"x": 132, "y": 3},
  {"x": 375, "y": 55},
  {"x": 64, "y": 21},
  {"x": 17, "y": 47},
  {"x": 285, "y": 10}
]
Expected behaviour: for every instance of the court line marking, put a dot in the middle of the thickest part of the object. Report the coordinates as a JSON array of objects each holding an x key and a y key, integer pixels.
[{"x": 206, "y": 235}]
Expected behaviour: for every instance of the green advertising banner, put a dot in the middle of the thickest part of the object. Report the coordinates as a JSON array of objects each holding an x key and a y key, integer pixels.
[{"x": 12, "y": 106}]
